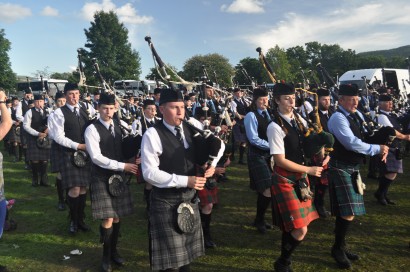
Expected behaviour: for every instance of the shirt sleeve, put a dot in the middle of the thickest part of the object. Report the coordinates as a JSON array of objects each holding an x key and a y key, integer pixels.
[
  {"x": 19, "y": 112},
  {"x": 251, "y": 129},
  {"x": 92, "y": 142},
  {"x": 275, "y": 138},
  {"x": 57, "y": 123},
  {"x": 339, "y": 126},
  {"x": 384, "y": 120},
  {"x": 151, "y": 149},
  {"x": 27, "y": 124}
]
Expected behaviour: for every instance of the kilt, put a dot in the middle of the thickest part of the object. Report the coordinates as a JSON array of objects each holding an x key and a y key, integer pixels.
[
  {"x": 55, "y": 151},
  {"x": 12, "y": 136},
  {"x": 239, "y": 133},
  {"x": 168, "y": 247},
  {"x": 23, "y": 137},
  {"x": 34, "y": 153},
  {"x": 288, "y": 212},
  {"x": 260, "y": 174},
  {"x": 72, "y": 175},
  {"x": 207, "y": 196},
  {"x": 344, "y": 201},
  {"x": 392, "y": 165},
  {"x": 103, "y": 205}
]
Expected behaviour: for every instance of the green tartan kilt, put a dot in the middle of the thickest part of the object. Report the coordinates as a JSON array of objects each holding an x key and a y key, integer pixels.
[{"x": 344, "y": 200}]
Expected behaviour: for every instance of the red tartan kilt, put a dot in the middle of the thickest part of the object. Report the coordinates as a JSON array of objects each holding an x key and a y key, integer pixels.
[
  {"x": 288, "y": 211},
  {"x": 208, "y": 196}
]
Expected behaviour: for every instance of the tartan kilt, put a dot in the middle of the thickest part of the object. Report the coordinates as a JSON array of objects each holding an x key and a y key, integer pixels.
[
  {"x": 34, "y": 153},
  {"x": 207, "y": 196},
  {"x": 103, "y": 205},
  {"x": 344, "y": 201},
  {"x": 55, "y": 152},
  {"x": 392, "y": 165},
  {"x": 23, "y": 137},
  {"x": 12, "y": 136},
  {"x": 72, "y": 175},
  {"x": 260, "y": 174},
  {"x": 288, "y": 212},
  {"x": 239, "y": 133},
  {"x": 170, "y": 248}
]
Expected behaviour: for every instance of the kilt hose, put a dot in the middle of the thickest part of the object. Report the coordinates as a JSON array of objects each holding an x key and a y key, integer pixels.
[
  {"x": 169, "y": 248},
  {"x": 103, "y": 205},
  {"x": 260, "y": 174},
  {"x": 392, "y": 165},
  {"x": 34, "y": 153},
  {"x": 344, "y": 201},
  {"x": 208, "y": 196},
  {"x": 288, "y": 211},
  {"x": 72, "y": 175}
]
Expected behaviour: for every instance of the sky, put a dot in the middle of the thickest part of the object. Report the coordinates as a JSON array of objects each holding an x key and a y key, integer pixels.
[{"x": 45, "y": 34}]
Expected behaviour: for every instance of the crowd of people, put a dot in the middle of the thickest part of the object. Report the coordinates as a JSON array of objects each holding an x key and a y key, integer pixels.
[{"x": 294, "y": 141}]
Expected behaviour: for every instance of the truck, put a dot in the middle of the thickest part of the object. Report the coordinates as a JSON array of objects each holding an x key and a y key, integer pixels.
[
  {"x": 136, "y": 87},
  {"x": 396, "y": 79},
  {"x": 49, "y": 86}
]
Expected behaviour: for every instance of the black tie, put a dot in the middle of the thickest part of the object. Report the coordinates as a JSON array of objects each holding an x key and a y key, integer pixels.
[
  {"x": 293, "y": 123},
  {"x": 111, "y": 129},
  {"x": 152, "y": 123},
  {"x": 179, "y": 135},
  {"x": 76, "y": 112},
  {"x": 266, "y": 115}
]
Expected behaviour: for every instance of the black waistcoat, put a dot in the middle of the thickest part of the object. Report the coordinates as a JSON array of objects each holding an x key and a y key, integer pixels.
[
  {"x": 262, "y": 126},
  {"x": 38, "y": 122},
  {"x": 13, "y": 114},
  {"x": 240, "y": 106},
  {"x": 110, "y": 146},
  {"x": 293, "y": 145},
  {"x": 145, "y": 127},
  {"x": 24, "y": 107},
  {"x": 340, "y": 153},
  {"x": 175, "y": 158},
  {"x": 74, "y": 126}
]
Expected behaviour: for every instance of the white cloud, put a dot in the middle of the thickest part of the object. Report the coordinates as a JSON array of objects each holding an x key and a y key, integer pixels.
[
  {"x": 127, "y": 14},
  {"x": 11, "y": 12},
  {"x": 367, "y": 27},
  {"x": 244, "y": 6},
  {"x": 49, "y": 11}
]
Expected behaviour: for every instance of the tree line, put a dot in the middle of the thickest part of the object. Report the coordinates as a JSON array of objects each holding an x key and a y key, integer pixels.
[{"x": 107, "y": 43}]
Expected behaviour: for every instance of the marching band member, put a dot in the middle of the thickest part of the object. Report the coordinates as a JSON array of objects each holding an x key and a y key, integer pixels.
[
  {"x": 14, "y": 138},
  {"x": 21, "y": 110},
  {"x": 291, "y": 197},
  {"x": 260, "y": 174},
  {"x": 103, "y": 139},
  {"x": 68, "y": 125},
  {"x": 174, "y": 183},
  {"x": 239, "y": 107},
  {"x": 344, "y": 176},
  {"x": 35, "y": 124}
]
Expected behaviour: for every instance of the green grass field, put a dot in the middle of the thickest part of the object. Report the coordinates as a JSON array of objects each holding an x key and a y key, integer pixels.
[{"x": 41, "y": 240}]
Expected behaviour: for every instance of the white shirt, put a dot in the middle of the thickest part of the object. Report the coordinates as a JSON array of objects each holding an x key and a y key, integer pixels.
[
  {"x": 384, "y": 120},
  {"x": 151, "y": 150},
  {"x": 19, "y": 110},
  {"x": 92, "y": 142},
  {"x": 27, "y": 123}
]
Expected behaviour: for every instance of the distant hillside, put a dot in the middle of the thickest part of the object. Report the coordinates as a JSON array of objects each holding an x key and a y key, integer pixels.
[{"x": 403, "y": 51}]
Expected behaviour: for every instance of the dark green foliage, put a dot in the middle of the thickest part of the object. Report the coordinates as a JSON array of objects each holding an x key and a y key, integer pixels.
[{"x": 8, "y": 79}]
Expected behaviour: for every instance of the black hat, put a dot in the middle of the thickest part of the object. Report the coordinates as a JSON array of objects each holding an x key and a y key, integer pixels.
[
  {"x": 97, "y": 92},
  {"x": 31, "y": 101},
  {"x": 384, "y": 98},
  {"x": 148, "y": 102},
  {"x": 187, "y": 98},
  {"x": 283, "y": 89},
  {"x": 8, "y": 101},
  {"x": 191, "y": 94},
  {"x": 259, "y": 92},
  {"x": 106, "y": 99},
  {"x": 157, "y": 90},
  {"x": 38, "y": 97},
  {"x": 168, "y": 95},
  {"x": 349, "y": 90},
  {"x": 14, "y": 98},
  {"x": 27, "y": 91},
  {"x": 322, "y": 92},
  {"x": 70, "y": 86},
  {"x": 236, "y": 90},
  {"x": 59, "y": 95}
]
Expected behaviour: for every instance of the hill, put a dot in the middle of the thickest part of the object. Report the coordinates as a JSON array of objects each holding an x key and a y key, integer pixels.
[{"x": 403, "y": 51}]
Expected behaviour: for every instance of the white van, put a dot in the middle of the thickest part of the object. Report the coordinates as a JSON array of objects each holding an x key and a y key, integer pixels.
[
  {"x": 136, "y": 87},
  {"x": 397, "y": 79}
]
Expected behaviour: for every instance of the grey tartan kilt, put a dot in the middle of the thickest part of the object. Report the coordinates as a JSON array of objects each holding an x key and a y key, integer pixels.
[
  {"x": 260, "y": 174},
  {"x": 72, "y": 175},
  {"x": 34, "y": 153},
  {"x": 239, "y": 132},
  {"x": 344, "y": 200},
  {"x": 12, "y": 136},
  {"x": 168, "y": 247},
  {"x": 392, "y": 165},
  {"x": 103, "y": 205},
  {"x": 55, "y": 152},
  {"x": 23, "y": 136}
]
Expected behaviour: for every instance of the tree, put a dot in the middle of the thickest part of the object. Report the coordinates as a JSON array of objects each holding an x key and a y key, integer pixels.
[
  {"x": 8, "y": 79},
  {"x": 107, "y": 42},
  {"x": 254, "y": 69},
  {"x": 213, "y": 63},
  {"x": 281, "y": 66}
]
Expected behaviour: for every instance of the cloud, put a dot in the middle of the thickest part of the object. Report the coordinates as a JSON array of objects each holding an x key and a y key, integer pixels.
[
  {"x": 127, "y": 14},
  {"x": 244, "y": 6},
  {"x": 11, "y": 12},
  {"x": 367, "y": 27},
  {"x": 49, "y": 11}
]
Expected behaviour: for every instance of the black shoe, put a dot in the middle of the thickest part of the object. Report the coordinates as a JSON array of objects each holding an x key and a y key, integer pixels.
[
  {"x": 323, "y": 213},
  {"x": 260, "y": 226},
  {"x": 268, "y": 226},
  {"x": 106, "y": 267},
  {"x": 82, "y": 226},
  {"x": 241, "y": 162},
  {"x": 282, "y": 265},
  {"x": 389, "y": 201},
  {"x": 61, "y": 206},
  {"x": 341, "y": 259},
  {"x": 372, "y": 176},
  {"x": 209, "y": 243},
  {"x": 380, "y": 199},
  {"x": 73, "y": 228},
  {"x": 27, "y": 167},
  {"x": 117, "y": 259},
  {"x": 352, "y": 256},
  {"x": 3, "y": 268}
]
